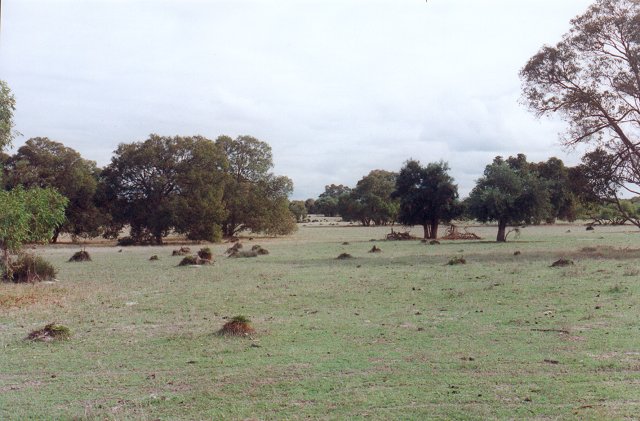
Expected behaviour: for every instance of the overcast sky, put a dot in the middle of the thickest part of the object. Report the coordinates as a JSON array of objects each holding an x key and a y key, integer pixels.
[{"x": 336, "y": 87}]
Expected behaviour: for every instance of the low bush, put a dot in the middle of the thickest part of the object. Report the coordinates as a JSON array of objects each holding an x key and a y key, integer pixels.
[
  {"x": 182, "y": 251},
  {"x": 30, "y": 268},
  {"x": 205, "y": 253},
  {"x": 188, "y": 260}
]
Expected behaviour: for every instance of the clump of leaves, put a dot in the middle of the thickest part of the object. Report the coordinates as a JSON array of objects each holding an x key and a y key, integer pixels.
[
  {"x": 80, "y": 256},
  {"x": 258, "y": 249},
  {"x": 51, "y": 332},
  {"x": 238, "y": 326},
  {"x": 457, "y": 260},
  {"x": 344, "y": 256},
  {"x": 30, "y": 268},
  {"x": 562, "y": 263},
  {"x": 182, "y": 251},
  {"x": 205, "y": 253},
  {"x": 188, "y": 260}
]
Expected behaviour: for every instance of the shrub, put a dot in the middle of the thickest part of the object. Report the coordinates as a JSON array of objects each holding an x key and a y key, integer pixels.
[
  {"x": 50, "y": 332},
  {"x": 258, "y": 249},
  {"x": 126, "y": 241},
  {"x": 30, "y": 268}
]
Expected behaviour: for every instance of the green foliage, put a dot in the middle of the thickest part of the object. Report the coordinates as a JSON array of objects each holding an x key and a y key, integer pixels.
[
  {"x": 30, "y": 268},
  {"x": 205, "y": 253},
  {"x": 188, "y": 261},
  {"x": 428, "y": 196},
  {"x": 7, "y": 107},
  {"x": 510, "y": 195},
  {"x": 254, "y": 199},
  {"x": 371, "y": 201},
  {"x": 590, "y": 79},
  {"x": 167, "y": 183},
  {"x": 41, "y": 162},
  {"x": 240, "y": 319},
  {"x": 299, "y": 210},
  {"x": 328, "y": 202}
]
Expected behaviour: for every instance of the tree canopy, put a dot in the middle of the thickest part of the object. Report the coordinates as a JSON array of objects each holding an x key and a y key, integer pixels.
[
  {"x": 41, "y": 162},
  {"x": 591, "y": 78},
  {"x": 7, "y": 107},
  {"x": 370, "y": 202},
  {"x": 167, "y": 183},
  {"x": 509, "y": 193},
  {"x": 428, "y": 196}
]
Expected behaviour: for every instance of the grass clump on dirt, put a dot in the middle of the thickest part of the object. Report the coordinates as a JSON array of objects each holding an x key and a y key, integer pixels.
[
  {"x": 154, "y": 257},
  {"x": 237, "y": 326},
  {"x": 188, "y": 261},
  {"x": 375, "y": 249},
  {"x": 80, "y": 256},
  {"x": 457, "y": 260},
  {"x": 344, "y": 256},
  {"x": 205, "y": 253},
  {"x": 182, "y": 251},
  {"x": 49, "y": 333},
  {"x": 30, "y": 268},
  {"x": 258, "y": 249}
]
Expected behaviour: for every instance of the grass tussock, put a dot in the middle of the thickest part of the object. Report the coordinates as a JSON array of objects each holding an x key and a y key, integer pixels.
[
  {"x": 154, "y": 257},
  {"x": 457, "y": 260},
  {"x": 49, "y": 333},
  {"x": 182, "y": 251},
  {"x": 260, "y": 250},
  {"x": 375, "y": 249},
  {"x": 30, "y": 268},
  {"x": 344, "y": 256},
  {"x": 562, "y": 263},
  {"x": 205, "y": 253}
]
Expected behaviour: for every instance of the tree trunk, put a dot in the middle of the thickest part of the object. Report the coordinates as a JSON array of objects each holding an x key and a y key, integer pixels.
[
  {"x": 6, "y": 262},
  {"x": 434, "y": 230},
  {"x": 502, "y": 229},
  {"x": 56, "y": 234},
  {"x": 427, "y": 231}
]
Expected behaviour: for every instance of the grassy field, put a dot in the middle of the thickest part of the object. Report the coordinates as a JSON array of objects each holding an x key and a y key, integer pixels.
[{"x": 393, "y": 335}]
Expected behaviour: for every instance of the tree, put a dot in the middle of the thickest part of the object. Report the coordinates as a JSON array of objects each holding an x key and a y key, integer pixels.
[
  {"x": 298, "y": 209},
  {"x": 327, "y": 203},
  {"x": 510, "y": 195},
  {"x": 27, "y": 216},
  {"x": 45, "y": 163},
  {"x": 370, "y": 201},
  {"x": 428, "y": 196},
  {"x": 254, "y": 198},
  {"x": 167, "y": 183},
  {"x": 591, "y": 78},
  {"x": 7, "y": 107}
]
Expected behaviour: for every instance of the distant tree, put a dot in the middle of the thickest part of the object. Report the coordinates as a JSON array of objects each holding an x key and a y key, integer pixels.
[
  {"x": 41, "y": 162},
  {"x": 167, "y": 183},
  {"x": 510, "y": 195},
  {"x": 327, "y": 202},
  {"x": 27, "y": 216},
  {"x": 428, "y": 196},
  {"x": 591, "y": 79},
  {"x": 310, "y": 204},
  {"x": 298, "y": 209},
  {"x": 7, "y": 107},
  {"x": 254, "y": 198},
  {"x": 370, "y": 201}
]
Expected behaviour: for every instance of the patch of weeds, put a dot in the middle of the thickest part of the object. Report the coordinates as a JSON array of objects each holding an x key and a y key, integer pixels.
[
  {"x": 617, "y": 289},
  {"x": 49, "y": 333},
  {"x": 344, "y": 256},
  {"x": 457, "y": 260},
  {"x": 375, "y": 249},
  {"x": 80, "y": 256},
  {"x": 154, "y": 257},
  {"x": 30, "y": 268}
]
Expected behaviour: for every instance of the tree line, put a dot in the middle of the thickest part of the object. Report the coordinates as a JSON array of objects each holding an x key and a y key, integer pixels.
[
  {"x": 191, "y": 185},
  {"x": 511, "y": 192}
]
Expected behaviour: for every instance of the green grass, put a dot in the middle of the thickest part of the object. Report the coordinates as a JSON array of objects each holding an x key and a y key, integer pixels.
[{"x": 392, "y": 335}]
